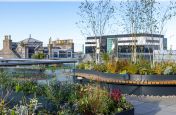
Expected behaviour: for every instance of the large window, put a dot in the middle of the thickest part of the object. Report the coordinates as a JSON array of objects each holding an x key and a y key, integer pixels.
[
  {"x": 55, "y": 54},
  {"x": 31, "y": 51},
  {"x": 69, "y": 54},
  {"x": 89, "y": 49},
  {"x": 62, "y": 54}
]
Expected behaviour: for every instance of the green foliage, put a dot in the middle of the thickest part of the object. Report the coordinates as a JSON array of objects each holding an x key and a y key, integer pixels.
[
  {"x": 18, "y": 88},
  {"x": 123, "y": 72},
  {"x": 145, "y": 71},
  {"x": 174, "y": 69},
  {"x": 141, "y": 67},
  {"x": 131, "y": 69},
  {"x": 121, "y": 64},
  {"x": 100, "y": 67},
  {"x": 28, "y": 87},
  {"x": 111, "y": 67},
  {"x": 61, "y": 92},
  {"x": 6, "y": 81},
  {"x": 78, "y": 98},
  {"x": 86, "y": 65},
  {"x": 38, "y": 56},
  {"x": 105, "y": 57},
  {"x": 158, "y": 69},
  {"x": 13, "y": 112},
  {"x": 94, "y": 100},
  {"x": 168, "y": 70}
]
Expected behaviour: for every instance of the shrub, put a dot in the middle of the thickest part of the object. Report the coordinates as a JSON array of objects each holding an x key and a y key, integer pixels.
[
  {"x": 94, "y": 101},
  {"x": 80, "y": 66},
  {"x": 105, "y": 57},
  {"x": 121, "y": 64},
  {"x": 145, "y": 71},
  {"x": 168, "y": 70},
  {"x": 27, "y": 87},
  {"x": 131, "y": 69},
  {"x": 38, "y": 56},
  {"x": 158, "y": 69},
  {"x": 100, "y": 67},
  {"x": 86, "y": 65},
  {"x": 116, "y": 95},
  {"x": 111, "y": 67}
]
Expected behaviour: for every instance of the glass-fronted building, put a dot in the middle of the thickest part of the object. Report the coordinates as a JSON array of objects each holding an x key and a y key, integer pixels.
[{"x": 144, "y": 44}]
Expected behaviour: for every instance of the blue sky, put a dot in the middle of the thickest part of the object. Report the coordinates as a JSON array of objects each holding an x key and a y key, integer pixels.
[
  {"x": 49, "y": 19},
  {"x": 41, "y": 20}
]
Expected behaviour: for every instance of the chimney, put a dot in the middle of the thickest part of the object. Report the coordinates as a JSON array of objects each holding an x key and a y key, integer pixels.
[{"x": 7, "y": 42}]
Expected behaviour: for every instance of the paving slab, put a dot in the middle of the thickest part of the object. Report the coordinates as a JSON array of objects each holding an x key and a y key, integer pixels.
[
  {"x": 153, "y": 105},
  {"x": 146, "y": 108},
  {"x": 162, "y": 112},
  {"x": 170, "y": 108},
  {"x": 135, "y": 102}
]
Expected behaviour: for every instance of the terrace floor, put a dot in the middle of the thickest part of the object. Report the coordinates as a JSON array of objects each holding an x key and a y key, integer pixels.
[{"x": 153, "y": 105}]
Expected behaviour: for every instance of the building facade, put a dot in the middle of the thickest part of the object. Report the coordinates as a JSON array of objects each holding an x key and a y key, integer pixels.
[
  {"x": 27, "y": 47},
  {"x": 144, "y": 44},
  {"x": 61, "y": 49},
  {"x": 23, "y": 49}
]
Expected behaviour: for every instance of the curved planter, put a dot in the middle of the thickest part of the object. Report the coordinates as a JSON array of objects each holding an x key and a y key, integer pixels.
[
  {"x": 129, "y": 112},
  {"x": 105, "y": 75},
  {"x": 155, "y": 90},
  {"x": 152, "y": 77},
  {"x": 129, "y": 77},
  {"x": 137, "y": 89}
]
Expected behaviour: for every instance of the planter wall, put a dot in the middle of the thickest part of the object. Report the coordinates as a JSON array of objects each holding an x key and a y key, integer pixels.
[
  {"x": 155, "y": 90},
  {"x": 129, "y": 77},
  {"x": 129, "y": 112},
  {"x": 137, "y": 89},
  {"x": 152, "y": 77},
  {"x": 106, "y": 75}
]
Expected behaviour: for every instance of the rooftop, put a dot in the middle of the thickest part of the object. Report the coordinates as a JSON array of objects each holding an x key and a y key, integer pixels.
[{"x": 30, "y": 40}]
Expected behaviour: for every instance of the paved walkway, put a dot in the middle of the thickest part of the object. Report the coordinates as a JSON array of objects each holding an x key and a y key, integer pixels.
[{"x": 153, "y": 105}]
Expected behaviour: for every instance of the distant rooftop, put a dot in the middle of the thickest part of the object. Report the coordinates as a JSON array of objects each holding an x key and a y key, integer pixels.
[{"x": 30, "y": 40}]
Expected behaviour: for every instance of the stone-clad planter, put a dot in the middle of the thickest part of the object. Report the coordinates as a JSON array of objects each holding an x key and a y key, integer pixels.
[
  {"x": 152, "y": 77},
  {"x": 162, "y": 85},
  {"x": 129, "y": 77},
  {"x": 105, "y": 75},
  {"x": 129, "y": 112}
]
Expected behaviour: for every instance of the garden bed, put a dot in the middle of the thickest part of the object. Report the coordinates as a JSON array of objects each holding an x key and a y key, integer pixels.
[{"x": 62, "y": 98}]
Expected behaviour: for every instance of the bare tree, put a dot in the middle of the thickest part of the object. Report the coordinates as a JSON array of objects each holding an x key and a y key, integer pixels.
[
  {"x": 94, "y": 19},
  {"x": 145, "y": 16}
]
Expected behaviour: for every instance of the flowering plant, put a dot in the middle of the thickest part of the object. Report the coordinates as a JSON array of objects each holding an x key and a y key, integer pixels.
[{"x": 116, "y": 95}]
